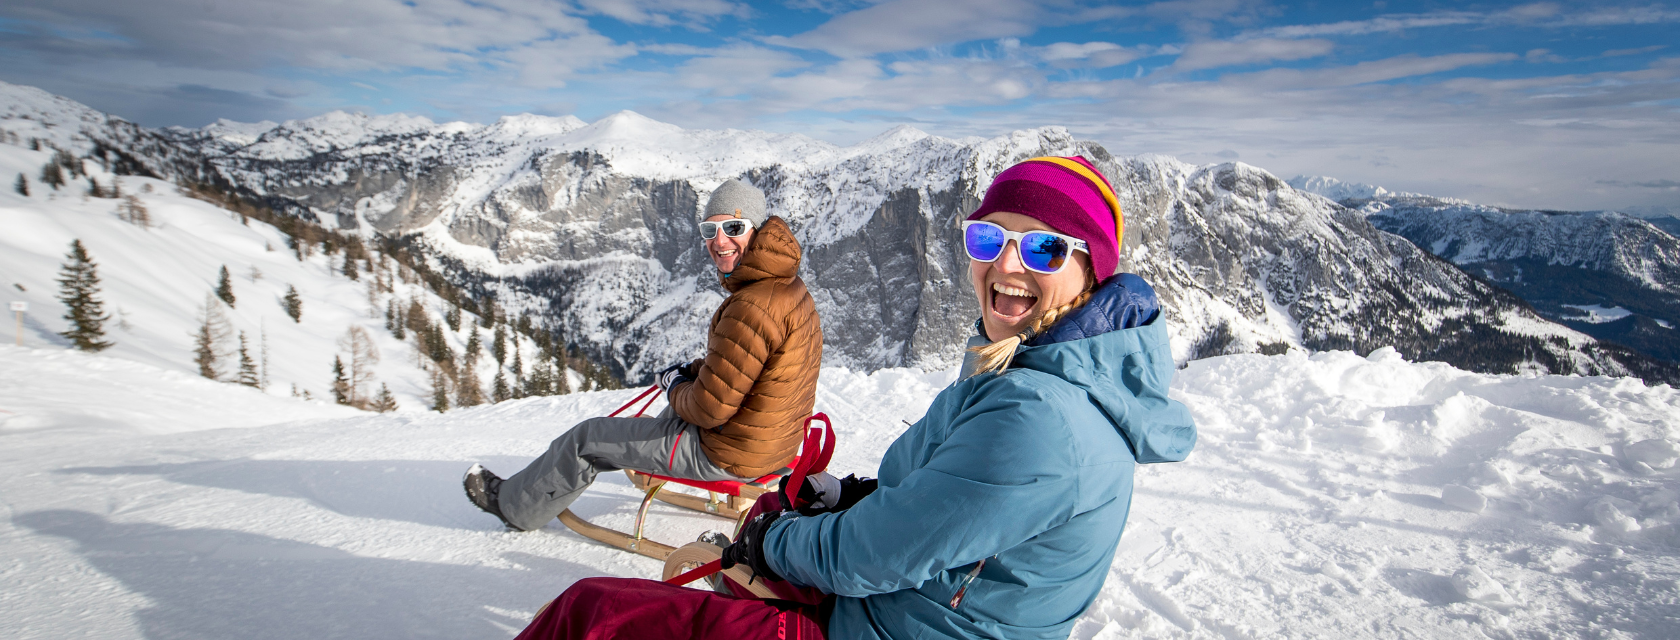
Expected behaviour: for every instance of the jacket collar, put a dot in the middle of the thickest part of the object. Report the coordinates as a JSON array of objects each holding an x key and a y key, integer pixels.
[{"x": 774, "y": 253}]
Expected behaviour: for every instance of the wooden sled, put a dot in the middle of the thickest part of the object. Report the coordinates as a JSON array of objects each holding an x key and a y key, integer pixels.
[{"x": 739, "y": 496}]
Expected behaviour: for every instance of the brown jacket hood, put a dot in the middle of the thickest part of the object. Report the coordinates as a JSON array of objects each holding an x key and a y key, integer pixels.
[
  {"x": 774, "y": 253},
  {"x": 758, "y": 381}
]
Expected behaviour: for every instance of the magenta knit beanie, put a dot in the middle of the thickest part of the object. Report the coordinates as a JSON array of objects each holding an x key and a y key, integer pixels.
[{"x": 1068, "y": 194}]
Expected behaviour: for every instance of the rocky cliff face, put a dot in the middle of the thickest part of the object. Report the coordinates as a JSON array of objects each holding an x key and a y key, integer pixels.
[{"x": 591, "y": 228}]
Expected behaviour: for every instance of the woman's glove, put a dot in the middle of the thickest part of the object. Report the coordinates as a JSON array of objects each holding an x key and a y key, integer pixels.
[
  {"x": 822, "y": 492},
  {"x": 673, "y": 375},
  {"x": 748, "y": 548}
]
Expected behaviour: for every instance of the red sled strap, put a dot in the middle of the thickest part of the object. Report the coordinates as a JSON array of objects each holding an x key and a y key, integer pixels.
[
  {"x": 815, "y": 453},
  {"x": 696, "y": 573},
  {"x": 655, "y": 390}
]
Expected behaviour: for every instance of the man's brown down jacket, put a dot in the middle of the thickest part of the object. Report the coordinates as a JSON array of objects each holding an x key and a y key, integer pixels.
[{"x": 758, "y": 381}]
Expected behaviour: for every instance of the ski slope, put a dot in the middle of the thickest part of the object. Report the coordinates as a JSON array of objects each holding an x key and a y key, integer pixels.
[
  {"x": 154, "y": 283},
  {"x": 1330, "y": 496}
]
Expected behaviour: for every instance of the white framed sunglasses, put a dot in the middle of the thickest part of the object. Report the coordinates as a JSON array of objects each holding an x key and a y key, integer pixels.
[
  {"x": 732, "y": 228},
  {"x": 1041, "y": 251}
]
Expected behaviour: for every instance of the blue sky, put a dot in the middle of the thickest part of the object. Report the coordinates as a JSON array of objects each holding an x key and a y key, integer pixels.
[{"x": 1568, "y": 105}]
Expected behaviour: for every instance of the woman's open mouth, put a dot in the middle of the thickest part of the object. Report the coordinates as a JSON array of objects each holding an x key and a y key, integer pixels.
[{"x": 1011, "y": 304}]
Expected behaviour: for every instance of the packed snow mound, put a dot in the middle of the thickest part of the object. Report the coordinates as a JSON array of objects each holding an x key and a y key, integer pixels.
[{"x": 1329, "y": 496}]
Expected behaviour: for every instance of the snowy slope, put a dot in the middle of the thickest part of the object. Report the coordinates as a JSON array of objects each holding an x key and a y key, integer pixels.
[
  {"x": 155, "y": 281},
  {"x": 1329, "y": 496}
]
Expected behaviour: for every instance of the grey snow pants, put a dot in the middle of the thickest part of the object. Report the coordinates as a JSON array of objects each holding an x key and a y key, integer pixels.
[{"x": 664, "y": 445}]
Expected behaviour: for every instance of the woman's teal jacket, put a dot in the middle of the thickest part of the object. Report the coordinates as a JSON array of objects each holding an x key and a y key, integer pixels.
[{"x": 1029, "y": 470}]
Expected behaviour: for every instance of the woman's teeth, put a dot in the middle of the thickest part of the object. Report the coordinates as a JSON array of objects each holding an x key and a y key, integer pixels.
[
  {"x": 1011, "y": 291},
  {"x": 726, "y": 253},
  {"x": 1011, "y": 302}
]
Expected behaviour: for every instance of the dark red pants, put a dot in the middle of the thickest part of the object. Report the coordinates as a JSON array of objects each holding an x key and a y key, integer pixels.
[{"x": 632, "y": 608}]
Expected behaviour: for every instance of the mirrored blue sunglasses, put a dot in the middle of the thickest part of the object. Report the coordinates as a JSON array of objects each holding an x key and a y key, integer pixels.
[{"x": 1041, "y": 251}]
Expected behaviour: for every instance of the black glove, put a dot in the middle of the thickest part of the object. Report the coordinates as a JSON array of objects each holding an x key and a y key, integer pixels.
[
  {"x": 822, "y": 493},
  {"x": 672, "y": 376},
  {"x": 748, "y": 547}
]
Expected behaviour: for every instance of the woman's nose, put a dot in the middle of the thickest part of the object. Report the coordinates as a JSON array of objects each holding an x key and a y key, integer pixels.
[{"x": 1010, "y": 261}]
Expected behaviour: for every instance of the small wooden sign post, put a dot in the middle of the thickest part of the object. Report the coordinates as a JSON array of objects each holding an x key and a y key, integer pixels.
[{"x": 19, "y": 307}]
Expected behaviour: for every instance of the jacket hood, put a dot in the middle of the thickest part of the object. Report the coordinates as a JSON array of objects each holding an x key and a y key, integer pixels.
[
  {"x": 1116, "y": 349},
  {"x": 774, "y": 253}
]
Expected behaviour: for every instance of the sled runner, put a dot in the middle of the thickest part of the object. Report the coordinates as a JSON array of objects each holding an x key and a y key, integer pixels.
[{"x": 736, "y": 497}]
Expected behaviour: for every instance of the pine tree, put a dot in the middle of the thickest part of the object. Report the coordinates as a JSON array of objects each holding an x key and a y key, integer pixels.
[
  {"x": 384, "y": 402},
  {"x": 248, "y": 375},
  {"x": 468, "y": 393},
  {"x": 212, "y": 331},
  {"x": 488, "y": 317},
  {"x": 538, "y": 383},
  {"x": 22, "y": 185},
  {"x": 440, "y": 390},
  {"x": 453, "y": 317},
  {"x": 499, "y": 388},
  {"x": 224, "y": 287},
  {"x": 52, "y": 175},
  {"x": 340, "y": 384},
  {"x": 294, "y": 304},
  {"x": 350, "y": 267},
  {"x": 134, "y": 212},
  {"x": 78, "y": 289},
  {"x": 473, "y": 345},
  {"x": 562, "y": 382},
  {"x": 498, "y": 345}
]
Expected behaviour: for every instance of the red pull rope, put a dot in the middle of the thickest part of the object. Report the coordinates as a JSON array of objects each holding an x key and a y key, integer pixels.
[
  {"x": 696, "y": 573},
  {"x": 655, "y": 390}
]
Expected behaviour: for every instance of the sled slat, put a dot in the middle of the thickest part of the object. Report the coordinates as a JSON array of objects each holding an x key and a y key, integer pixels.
[{"x": 615, "y": 538}]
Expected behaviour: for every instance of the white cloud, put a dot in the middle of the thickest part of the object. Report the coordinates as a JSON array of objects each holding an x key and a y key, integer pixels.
[
  {"x": 1093, "y": 55},
  {"x": 662, "y": 13},
  {"x": 908, "y": 25},
  {"x": 1212, "y": 54},
  {"x": 318, "y": 34},
  {"x": 1540, "y": 15}
]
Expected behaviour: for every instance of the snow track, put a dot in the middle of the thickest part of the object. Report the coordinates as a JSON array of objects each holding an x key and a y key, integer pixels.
[{"x": 1312, "y": 506}]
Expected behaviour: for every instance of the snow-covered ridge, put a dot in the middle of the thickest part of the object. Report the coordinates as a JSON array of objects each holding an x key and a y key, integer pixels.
[
  {"x": 1337, "y": 190},
  {"x": 530, "y": 207}
]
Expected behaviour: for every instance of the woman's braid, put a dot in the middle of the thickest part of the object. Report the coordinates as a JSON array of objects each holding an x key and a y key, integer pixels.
[{"x": 997, "y": 355}]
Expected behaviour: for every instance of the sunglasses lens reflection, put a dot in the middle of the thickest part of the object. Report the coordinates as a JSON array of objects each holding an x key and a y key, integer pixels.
[
  {"x": 1043, "y": 252},
  {"x": 983, "y": 241}
]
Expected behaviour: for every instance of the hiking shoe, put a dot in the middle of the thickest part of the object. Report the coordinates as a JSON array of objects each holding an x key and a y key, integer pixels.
[{"x": 482, "y": 488}]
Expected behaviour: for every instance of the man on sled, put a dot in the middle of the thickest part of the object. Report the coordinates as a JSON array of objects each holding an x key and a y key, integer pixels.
[{"x": 737, "y": 414}]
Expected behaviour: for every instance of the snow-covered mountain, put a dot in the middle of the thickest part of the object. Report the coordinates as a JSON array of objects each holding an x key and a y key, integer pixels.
[
  {"x": 1562, "y": 262},
  {"x": 157, "y": 279},
  {"x": 591, "y": 227}
]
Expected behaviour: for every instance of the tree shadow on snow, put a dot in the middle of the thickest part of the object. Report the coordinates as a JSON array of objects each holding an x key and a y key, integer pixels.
[
  {"x": 215, "y": 583},
  {"x": 425, "y": 492}
]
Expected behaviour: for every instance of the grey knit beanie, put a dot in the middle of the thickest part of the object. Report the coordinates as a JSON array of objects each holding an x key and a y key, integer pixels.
[{"x": 739, "y": 199}]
